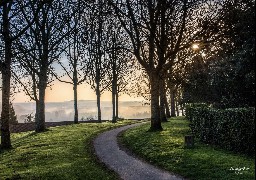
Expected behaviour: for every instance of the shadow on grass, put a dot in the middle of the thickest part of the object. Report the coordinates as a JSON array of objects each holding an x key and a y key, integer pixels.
[
  {"x": 166, "y": 149},
  {"x": 18, "y": 142}
]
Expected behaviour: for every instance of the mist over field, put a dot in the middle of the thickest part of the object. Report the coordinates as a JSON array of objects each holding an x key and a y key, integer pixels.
[{"x": 64, "y": 111}]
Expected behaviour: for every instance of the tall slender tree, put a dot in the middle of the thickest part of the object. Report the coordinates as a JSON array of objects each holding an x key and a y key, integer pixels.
[
  {"x": 120, "y": 63},
  {"x": 75, "y": 70},
  {"x": 97, "y": 50},
  {"x": 12, "y": 28},
  {"x": 42, "y": 45}
]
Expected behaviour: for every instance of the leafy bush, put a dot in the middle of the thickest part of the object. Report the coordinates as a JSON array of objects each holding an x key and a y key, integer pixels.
[
  {"x": 189, "y": 108},
  {"x": 232, "y": 129}
]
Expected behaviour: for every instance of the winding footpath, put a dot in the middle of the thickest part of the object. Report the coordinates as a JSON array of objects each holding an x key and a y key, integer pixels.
[{"x": 127, "y": 167}]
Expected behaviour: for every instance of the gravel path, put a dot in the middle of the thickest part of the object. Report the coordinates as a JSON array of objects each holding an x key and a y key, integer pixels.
[{"x": 128, "y": 167}]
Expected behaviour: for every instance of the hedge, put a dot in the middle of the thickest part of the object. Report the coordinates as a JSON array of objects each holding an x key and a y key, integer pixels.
[{"x": 233, "y": 129}]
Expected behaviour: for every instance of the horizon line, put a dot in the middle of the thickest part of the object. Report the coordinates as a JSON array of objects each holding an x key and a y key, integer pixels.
[{"x": 77, "y": 100}]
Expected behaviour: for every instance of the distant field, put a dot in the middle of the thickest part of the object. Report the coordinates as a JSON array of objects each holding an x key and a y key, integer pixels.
[{"x": 64, "y": 111}]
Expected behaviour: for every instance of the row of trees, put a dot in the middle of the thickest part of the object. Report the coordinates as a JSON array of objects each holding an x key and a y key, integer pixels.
[
  {"x": 81, "y": 37},
  {"x": 101, "y": 42}
]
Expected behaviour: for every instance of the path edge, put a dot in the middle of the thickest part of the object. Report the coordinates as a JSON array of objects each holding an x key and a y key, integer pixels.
[
  {"x": 124, "y": 148},
  {"x": 128, "y": 151},
  {"x": 97, "y": 159}
]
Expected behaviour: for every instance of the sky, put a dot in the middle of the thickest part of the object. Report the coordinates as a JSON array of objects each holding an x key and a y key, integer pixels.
[
  {"x": 64, "y": 92},
  {"x": 60, "y": 92}
]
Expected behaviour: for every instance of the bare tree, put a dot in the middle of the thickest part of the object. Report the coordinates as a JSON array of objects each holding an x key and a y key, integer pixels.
[
  {"x": 114, "y": 74},
  {"x": 75, "y": 69},
  {"x": 42, "y": 45},
  {"x": 12, "y": 28},
  {"x": 124, "y": 71},
  {"x": 97, "y": 63},
  {"x": 120, "y": 63}
]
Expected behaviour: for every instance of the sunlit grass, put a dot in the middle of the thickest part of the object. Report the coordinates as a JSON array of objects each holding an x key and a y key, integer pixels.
[
  {"x": 61, "y": 153},
  {"x": 166, "y": 149}
]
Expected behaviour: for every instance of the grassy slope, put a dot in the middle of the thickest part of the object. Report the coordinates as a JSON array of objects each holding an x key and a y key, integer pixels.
[
  {"x": 166, "y": 149},
  {"x": 61, "y": 153}
]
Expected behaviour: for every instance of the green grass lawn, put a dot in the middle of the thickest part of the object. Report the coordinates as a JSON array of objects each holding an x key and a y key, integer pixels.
[
  {"x": 63, "y": 152},
  {"x": 166, "y": 150}
]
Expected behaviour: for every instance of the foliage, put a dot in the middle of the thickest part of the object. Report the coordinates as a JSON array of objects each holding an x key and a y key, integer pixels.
[
  {"x": 189, "y": 108},
  {"x": 232, "y": 129},
  {"x": 229, "y": 77},
  {"x": 166, "y": 149},
  {"x": 61, "y": 153},
  {"x": 197, "y": 88}
]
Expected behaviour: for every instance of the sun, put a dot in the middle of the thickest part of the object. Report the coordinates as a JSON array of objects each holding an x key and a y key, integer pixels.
[{"x": 195, "y": 46}]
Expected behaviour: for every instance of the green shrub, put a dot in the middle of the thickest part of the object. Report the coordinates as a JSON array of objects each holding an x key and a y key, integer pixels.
[
  {"x": 189, "y": 108},
  {"x": 232, "y": 129}
]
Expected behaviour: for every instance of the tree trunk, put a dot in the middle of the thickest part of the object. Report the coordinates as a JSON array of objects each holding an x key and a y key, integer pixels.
[
  {"x": 40, "y": 116},
  {"x": 173, "y": 103},
  {"x": 75, "y": 104},
  {"x": 182, "y": 110},
  {"x": 177, "y": 109},
  {"x": 114, "y": 83},
  {"x": 162, "y": 101},
  {"x": 98, "y": 107},
  {"x": 37, "y": 109},
  {"x": 6, "y": 78},
  {"x": 117, "y": 106},
  {"x": 168, "y": 115},
  {"x": 114, "y": 105},
  {"x": 75, "y": 83},
  {"x": 5, "y": 116},
  {"x": 155, "y": 109},
  {"x": 98, "y": 101}
]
